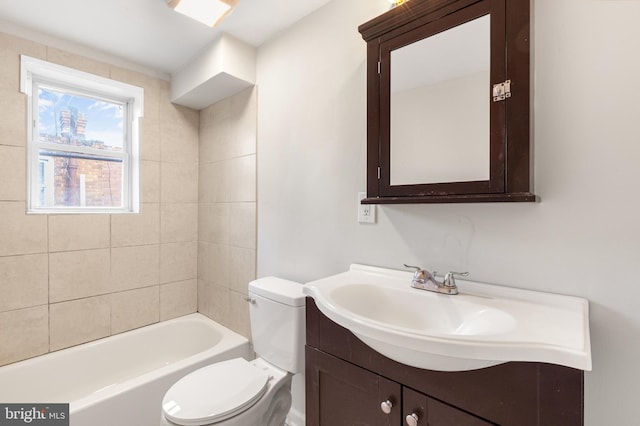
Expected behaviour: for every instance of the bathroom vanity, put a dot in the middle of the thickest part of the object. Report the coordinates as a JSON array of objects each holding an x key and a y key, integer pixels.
[{"x": 348, "y": 383}]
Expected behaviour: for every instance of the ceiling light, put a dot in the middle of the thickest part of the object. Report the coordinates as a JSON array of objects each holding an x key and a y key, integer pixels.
[{"x": 209, "y": 12}]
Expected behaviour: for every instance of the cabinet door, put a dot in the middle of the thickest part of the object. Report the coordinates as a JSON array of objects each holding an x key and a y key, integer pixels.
[
  {"x": 342, "y": 394},
  {"x": 431, "y": 412}
]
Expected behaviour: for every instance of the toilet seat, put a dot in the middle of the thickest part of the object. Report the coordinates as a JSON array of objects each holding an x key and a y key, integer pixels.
[{"x": 215, "y": 393}]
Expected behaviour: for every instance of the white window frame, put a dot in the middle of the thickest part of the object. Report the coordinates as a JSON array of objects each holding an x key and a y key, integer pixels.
[
  {"x": 46, "y": 187},
  {"x": 34, "y": 73}
]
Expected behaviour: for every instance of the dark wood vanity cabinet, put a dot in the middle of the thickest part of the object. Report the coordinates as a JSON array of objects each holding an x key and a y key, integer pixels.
[
  {"x": 431, "y": 412},
  {"x": 350, "y": 395},
  {"x": 346, "y": 383}
]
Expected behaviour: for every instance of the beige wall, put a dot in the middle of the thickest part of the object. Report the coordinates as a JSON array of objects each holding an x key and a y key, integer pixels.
[
  {"x": 68, "y": 279},
  {"x": 227, "y": 209}
]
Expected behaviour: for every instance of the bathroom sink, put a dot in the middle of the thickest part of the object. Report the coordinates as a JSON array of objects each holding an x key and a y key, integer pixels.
[{"x": 483, "y": 325}]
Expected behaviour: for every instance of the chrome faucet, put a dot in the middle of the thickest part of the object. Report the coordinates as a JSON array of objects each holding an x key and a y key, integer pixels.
[{"x": 425, "y": 280}]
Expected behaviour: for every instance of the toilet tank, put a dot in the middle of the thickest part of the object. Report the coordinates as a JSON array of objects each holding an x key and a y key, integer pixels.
[{"x": 277, "y": 312}]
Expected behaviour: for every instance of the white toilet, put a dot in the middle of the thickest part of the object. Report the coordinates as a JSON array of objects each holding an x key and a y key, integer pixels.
[{"x": 248, "y": 393}]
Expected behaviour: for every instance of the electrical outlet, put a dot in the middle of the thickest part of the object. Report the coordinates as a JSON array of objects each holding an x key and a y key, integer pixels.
[{"x": 366, "y": 212}]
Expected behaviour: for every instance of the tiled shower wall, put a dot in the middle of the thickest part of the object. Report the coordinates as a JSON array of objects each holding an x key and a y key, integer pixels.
[
  {"x": 227, "y": 209},
  {"x": 68, "y": 279}
]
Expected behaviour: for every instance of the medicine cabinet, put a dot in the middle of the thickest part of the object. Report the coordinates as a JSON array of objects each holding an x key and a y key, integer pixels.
[{"x": 448, "y": 102}]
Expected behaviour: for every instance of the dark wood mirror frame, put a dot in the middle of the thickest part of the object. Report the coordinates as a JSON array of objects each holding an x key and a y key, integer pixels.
[{"x": 510, "y": 169}]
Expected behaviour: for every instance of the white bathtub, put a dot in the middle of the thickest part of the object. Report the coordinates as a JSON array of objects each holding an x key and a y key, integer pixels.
[{"x": 120, "y": 380}]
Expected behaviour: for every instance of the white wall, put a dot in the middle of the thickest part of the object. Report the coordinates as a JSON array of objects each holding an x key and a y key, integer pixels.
[{"x": 583, "y": 238}]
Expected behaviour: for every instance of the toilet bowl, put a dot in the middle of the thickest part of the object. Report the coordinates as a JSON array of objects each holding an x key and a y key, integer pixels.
[{"x": 238, "y": 392}]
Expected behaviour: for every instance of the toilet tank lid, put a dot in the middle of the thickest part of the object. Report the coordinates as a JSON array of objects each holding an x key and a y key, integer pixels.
[{"x": 279, "y": 290}]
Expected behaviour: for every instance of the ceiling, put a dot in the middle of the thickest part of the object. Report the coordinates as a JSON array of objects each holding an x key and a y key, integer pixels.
[{"x": 148, "y": 32}]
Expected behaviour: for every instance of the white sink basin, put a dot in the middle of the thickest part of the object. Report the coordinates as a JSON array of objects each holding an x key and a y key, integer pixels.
[{"x": 482, "y": 326}]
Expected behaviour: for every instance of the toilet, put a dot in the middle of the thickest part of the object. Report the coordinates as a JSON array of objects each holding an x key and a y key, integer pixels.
[{"x": 238, "y": 392}]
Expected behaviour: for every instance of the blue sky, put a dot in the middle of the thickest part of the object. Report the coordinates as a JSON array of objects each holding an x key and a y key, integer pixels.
[{"x": 104, "y": 119}]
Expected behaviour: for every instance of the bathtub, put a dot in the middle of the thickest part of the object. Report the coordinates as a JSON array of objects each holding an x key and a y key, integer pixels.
[{"x": 120, "y": 380}]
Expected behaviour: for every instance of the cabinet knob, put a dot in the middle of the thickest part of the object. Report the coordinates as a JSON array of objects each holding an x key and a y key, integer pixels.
[
  {"x": 412, "y": 419},
  {"x": 386, "y": 406}
]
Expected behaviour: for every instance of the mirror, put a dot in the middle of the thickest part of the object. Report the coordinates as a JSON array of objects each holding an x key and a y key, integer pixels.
[
  {"x": 434, "y": 132},
  {"x": 437, "y": 83}
]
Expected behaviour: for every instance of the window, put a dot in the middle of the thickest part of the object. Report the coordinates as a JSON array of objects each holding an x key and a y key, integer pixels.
[{"x": 83, "y": 140}]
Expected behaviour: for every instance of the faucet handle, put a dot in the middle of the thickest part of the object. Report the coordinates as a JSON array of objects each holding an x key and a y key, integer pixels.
[
  {"x": 420, "y": 275},
  {"x": 449, "y": 279},
  {"x": 417, "y": 268}
]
